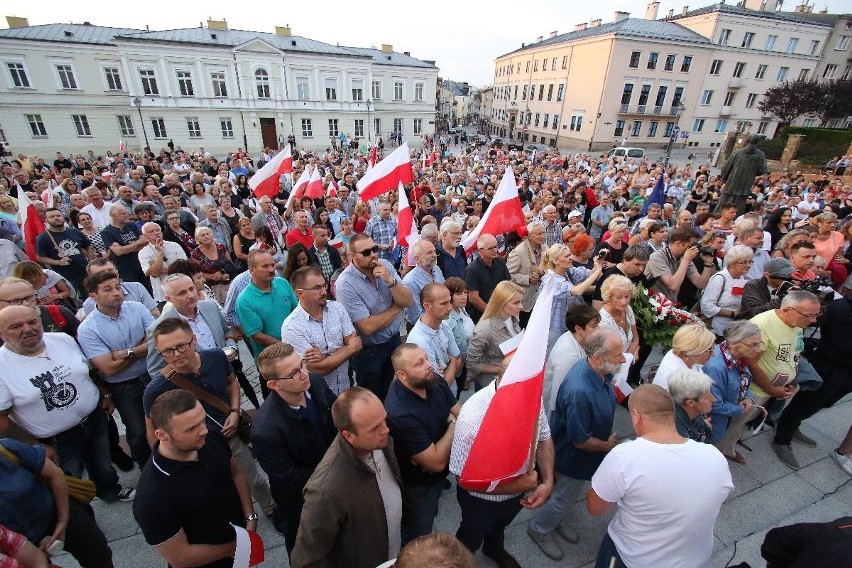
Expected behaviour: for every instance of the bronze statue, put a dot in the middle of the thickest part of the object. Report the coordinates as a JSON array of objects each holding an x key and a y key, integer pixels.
[{"x": 739, "y": 174}]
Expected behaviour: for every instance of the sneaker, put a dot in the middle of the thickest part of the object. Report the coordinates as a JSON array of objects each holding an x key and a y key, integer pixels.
[
  {"x": 567, "y": 532},
  {"x": 126, "y": 494},
  {"x": 804, "y": 440},
  {"x": 546, "y": 543},
  {"x": 845, "y": 462},
  {"x": 785, "y": 454}
]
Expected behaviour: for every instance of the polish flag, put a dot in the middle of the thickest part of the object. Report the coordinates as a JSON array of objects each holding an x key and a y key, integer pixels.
[
  {"x": 385, "y": 175},
  {"x": 374, "y": 157},
  {"x": 249, "y": 551},
  {"x": 266, "y": 180},
  {"x": 431, "y": 159},
  {"x": 405, "y": 219},
  {"x": 332, "y": 189},
  {"x": 503, "y": 215},
  {"x": 31, "y": 223},
  {"x": 314, "y": 188},
  {"x": 337, "y": 243},
  {"x": 299, "y": 185},
  {"x": 503, "y": 446}
]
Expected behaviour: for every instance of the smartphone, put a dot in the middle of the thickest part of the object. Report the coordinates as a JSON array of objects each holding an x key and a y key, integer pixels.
[
  {"x": 780, "y": 379},
  {"x": 602, "y": 254}
]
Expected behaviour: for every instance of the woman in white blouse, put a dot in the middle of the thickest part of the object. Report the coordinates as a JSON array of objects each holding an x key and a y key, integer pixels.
[
  {"x": 499, "y": 323},
  {"x": 616, "y": 313},
  {"x": 723, "y": 295},
  {"x": 692, "y": 347}
]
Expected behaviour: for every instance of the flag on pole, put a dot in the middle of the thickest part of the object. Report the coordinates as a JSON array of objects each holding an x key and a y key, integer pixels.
[
  {"x": 266, "y": 181},
  {"x": 314, "y": 189},
  {"x": 658, "y": 195},
  {"x": 385, "y": 175},
  {"x": 503, "y": 215},
  {"x": 502, "y": 447},
  {"x": 31, "y": 224},
  {"x": 122, "y": 146},
  {"x": 374, "y": 156},
  {"x": 405, "y": 219},
  {"x": 299, "y": 185}
]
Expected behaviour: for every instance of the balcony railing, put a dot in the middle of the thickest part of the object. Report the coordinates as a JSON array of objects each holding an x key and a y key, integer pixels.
[
  {"x": 726, "y": 111},
  {"x": 647, "y": 110},
  {"x": 735, "y": 83}
]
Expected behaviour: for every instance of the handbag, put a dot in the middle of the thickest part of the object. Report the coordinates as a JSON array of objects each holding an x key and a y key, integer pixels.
[
  {"x": 246, "y": 417},
  {"x": 81, "y": 490}
]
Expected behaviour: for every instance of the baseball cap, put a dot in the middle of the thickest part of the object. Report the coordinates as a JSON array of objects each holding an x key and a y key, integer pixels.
[
  {"x": 574, "y": 213},
  {"x": 779, "y": 268}
]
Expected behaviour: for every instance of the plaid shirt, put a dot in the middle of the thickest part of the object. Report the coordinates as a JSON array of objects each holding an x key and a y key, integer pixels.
[
  {"x": 552, "y": 234},
  {"x": 383, "y": 232},
  {"x": 325, "y": 263}
]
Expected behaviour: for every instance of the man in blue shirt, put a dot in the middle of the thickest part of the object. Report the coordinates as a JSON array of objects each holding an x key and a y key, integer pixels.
[{"x": 582, "y": 433}]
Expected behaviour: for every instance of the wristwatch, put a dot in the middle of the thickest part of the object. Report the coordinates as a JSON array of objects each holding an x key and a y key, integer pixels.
[
  {"x": 130, "y": 354},
  {"x": 252, "y": 517},
  {"x": 392, "y": 285}
]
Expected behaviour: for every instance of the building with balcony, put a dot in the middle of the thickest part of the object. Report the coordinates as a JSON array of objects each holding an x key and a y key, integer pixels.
[{"x": 73, "y": 87}]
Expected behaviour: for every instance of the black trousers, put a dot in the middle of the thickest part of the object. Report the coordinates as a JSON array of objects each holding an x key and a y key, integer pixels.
[
  {"x": 836, "y": 383},
  {"x": 483, "y": 522},
  {"x": 84, "y": 540}
]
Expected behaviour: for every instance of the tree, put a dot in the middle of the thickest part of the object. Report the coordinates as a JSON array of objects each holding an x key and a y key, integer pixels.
[
  {"x": 791, "y": 99},
  {"x": 835, "y": 101}
]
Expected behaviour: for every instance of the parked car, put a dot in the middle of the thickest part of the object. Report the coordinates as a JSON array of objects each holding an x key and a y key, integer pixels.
[
  {"x": 622, "y": 152},
  {"x": 537, "y": 148}
]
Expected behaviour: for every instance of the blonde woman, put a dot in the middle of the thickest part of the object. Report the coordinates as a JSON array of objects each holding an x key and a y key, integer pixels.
[
  {"x": 555, "y": 265},
  {"x": 616, "y": 313},
  {"x": 499, "y": 322},
  {"x": 692, "y": 347}
]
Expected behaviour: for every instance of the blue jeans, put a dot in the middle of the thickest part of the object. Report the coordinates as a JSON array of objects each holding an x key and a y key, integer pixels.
[
  {"x": 87, "y": 447},
  {"x": 419, "y": 509},
  {"x": 606, "y": 553},
  {"x": 127, "y": 397},
  {"x": 373, "y": 368}
]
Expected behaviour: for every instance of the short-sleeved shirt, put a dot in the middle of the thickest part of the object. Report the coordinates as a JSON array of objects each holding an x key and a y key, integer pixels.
[
  {"x": 663, "y": 263},
  {"x": 483, "y": 279},
  {"x": 133, "y": 292},
  {"x": 363, "y": 297},
  {"x": 197, "y": 496},
  {"x": 128, "y": 263},
  {"x": 784, "y": 345},
  {"x": 26, "y": 504},
  {"x": 213, "y": 377},
  {"x": 302, "y": 331},
  {"x": 596, "y": 295},
  {"x": 439, "y": 344},
  {"x": 601, "y": 214},
  {"x": 451, "y": 265},
  {"x": 415, "y": 424},
  {"x": 68, "y": 244},
  {"x": 171, "y": 252},
  {"x": 100, "y": 334},
  {"x": 382, "y": 231},
  {"x": 264, "y": 312},
  {"x": 415, "y": 281},
  {"x": 585, "y": 408}
]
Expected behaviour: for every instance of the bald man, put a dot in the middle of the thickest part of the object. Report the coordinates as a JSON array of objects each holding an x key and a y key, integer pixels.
[{"x": 124, "y": 240}]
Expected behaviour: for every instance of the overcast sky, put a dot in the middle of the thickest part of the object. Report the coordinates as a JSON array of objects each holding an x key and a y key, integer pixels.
[{"x": 462, "y": 37}]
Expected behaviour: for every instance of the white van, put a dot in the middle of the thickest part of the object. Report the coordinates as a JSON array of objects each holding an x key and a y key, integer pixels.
[{"x": 622, "y": 152}]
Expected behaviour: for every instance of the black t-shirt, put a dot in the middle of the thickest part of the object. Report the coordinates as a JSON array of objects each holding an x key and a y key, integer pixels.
[
  {"x": 480, "y": 278},
  {"x": 127, "y": 264},
  {"x": 197, "y": 496},
  {"x": 615, "y": 270},
  {"x": 65, "y": 244}
]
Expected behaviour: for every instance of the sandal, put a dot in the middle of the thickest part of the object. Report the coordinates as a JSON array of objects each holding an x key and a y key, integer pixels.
[{"x": 736, "y": 458}]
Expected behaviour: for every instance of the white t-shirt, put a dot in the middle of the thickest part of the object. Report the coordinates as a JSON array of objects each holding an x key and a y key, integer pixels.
[
  {"x": 172, "y": 252},
  {"x": 668, "y": 366},
  {"x": 50, "y": 392},
  {"x": 666, "y": 524}
]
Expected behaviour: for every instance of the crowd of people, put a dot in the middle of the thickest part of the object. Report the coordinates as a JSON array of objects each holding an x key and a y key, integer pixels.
[{"x": 378, "y": 362}]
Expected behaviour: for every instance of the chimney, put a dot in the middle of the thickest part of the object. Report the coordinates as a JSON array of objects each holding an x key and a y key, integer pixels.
[
  {"x": 16, "y": 22},
  {"x": 554, "y": 34},
  {"x": 802, "y": 8},
  {"x": 408, "y": 53},
  {"x": 283, "y": 31},
  {"x": 595, "y": 23},
  {"x": 580, "y": 27},
  {"x": 387, "y": 48},
  {"x": 651, "y": 11},
  {"x": 539, "y": 39},
  {"x": 619, "y": 16},
  {"x": 671, "y": 14},
  {"x": 685, "y": 11},
  {"x": 217, "y": 24}
]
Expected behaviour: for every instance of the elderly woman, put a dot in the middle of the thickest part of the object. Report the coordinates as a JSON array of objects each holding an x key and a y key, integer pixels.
[
  {"x": 581, "y": 320},
  {"x": 829, "y": 246},
  {"x": 614, "y": 245},
  {"x": 690, "y": 390},
  {"x": 692, "y": 346},
  {"x": 616, "y": 313},
  {"x": 724, "y": 292},
  {"x": 499, "y": 322},
  {"x": 785, "y": 245},
  {"x": 215, "y": 263},
  {"x": 733, "y": 408}
]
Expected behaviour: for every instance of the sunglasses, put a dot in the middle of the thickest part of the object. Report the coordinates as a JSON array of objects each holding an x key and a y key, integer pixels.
[{"x": 367, "y": 252}]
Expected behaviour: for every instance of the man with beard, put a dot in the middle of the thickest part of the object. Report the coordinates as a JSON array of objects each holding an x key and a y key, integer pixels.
[
  {"x": 421, "y": 416},
  {"x": 425, "y": 271},
  {"x": 65, "y": 249},
  {"x": 451, "y": 257},
  {"x": 582, "y": 435}
]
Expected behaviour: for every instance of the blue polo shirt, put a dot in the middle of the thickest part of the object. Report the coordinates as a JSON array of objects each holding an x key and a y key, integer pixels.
[
  {"x": 363, "y": 298},
  {"x": 26, "y": 504},
  {"x": 99, "y": 334},
  {"x": 585, "y": 408},
  {"x": 260, "y": 311}
]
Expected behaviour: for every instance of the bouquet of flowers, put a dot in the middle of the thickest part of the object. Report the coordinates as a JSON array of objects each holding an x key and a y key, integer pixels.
[{"x": 657, "y": 317}]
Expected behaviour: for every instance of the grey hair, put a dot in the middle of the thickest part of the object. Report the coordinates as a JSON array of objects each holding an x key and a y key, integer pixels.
[
  {"x": 737, "y": 253},
  {"x": 741, "y": 330},
  {"x": 448, "y": 225},
  {"x": 533, "y": 224},
  {"x": 429, "y": 230},
  {"x": 115, "y": 208},
  {"x": 548, "y": 208},
  {"x": 480, "y": 242},
  {"x": 596, "y": 342},
  {"x": 796, "y": 297},
  {"x": 688, "y": 384}
]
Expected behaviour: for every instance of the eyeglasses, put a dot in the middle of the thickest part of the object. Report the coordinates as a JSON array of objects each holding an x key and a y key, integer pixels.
[
  {"x": 807, "y": 316},
  {"x": 179, "y": 348},
  {"x": 316, "y": 288},
  {"x": 301, "y": 370},
  {"x": 19, "y": 301},
  {"x": 754, "y": 345},
  {"x": 367, "y": 252},
  {"x": 489, "y": 248}
]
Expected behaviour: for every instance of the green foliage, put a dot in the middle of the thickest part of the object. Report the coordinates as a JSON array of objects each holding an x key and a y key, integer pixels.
[
  {"x": 821, "y": 99},
  {"x": 818, "y": 146}
]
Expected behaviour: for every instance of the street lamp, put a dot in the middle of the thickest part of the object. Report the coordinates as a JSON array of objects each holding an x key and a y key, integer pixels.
[
  {"x": 369, "y": 133},
  {"x": 137, "y": 102},
  {"x": 675, "y": 132}
]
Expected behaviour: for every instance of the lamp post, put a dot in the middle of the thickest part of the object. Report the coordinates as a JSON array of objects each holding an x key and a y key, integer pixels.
[
  {"x": 369, "y": 132},
  {"x": 675, "y": 132},
  {"x": 137, "y": 102}
]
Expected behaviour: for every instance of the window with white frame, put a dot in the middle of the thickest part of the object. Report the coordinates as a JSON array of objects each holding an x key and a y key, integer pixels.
[
  {"x": 397, "y": 90},
  {"x": 418, "y": 126},
  {"x": 667, "y": 131},
  {"x": 803, "y": 74},
  {"x": 376, "y": 88},
  {"x": 809, "y": 123},
  {"x": 652, "y": 128},
  {"x": 721, "y": 126},
  {"x": 125, "y": 125},
  {"x": 149, "y": 82},
  {"x": 830, "y": 71},
  {"x": 333, "y": 127},
  {"x": 18, "y": 73},
  {"x": 747, "y": 39},
  {"x": 261, "y": 84},
  {"x": 357, "y": 90},
  {"x": 113, "y": 79},
  {"x": 36, "y": 125},
  {"x": 792, "y": 44},
  {"x": 307, "y": 128},
  {"x": 560, "y": 91},
  {"x": 751, "y": 99},
  {"x": 193, "y": 127},
  {"x": 227, "y": 127},
  {"x": 66, "y": 76},
  {"x": 729, "y": 98},
  {"x": 724, "y": 36},
  {"x": 739, "y": 68},
  {"x": 359, "y": 127},
  {"x": 159, "y": 126},
  {"x": 842, "y": 43},
  {"x": 706, "y": 97},
  {"x": 537, "y": 118},
  {"x": 331, "y": 88},
  {"x": 652, "y": 60},
  {"x": 544, "y": 64},
  {"x": 564, "y": 62},
  {"x": 782, "y": 73},
  {"x": 377, "y": 126},
  {"x": 555, "y": 121},
  {"x": 761, "y": 71},
  {"x": 184, "y": 79},
  {"x": 220, "y": 88},
  {"x": 697, "y": 125},
  {"x": 770, "y": 42},
  {"x": 303, "y": 89},
  {"x": 761, "y": 127},
  {"x": 637, "y": 128},
  {"x": 546, "y": 120},
  {"x": 418, "y": 92},
  {"x": 550, "y": 92},
  {"x": 670, "y": 62},
  {"x": 576, "y": 122},
  {"x": 814, "y": 46},
  {"x": 716, "y": 67},
  {"x": 397, "y": 125},
  {"x": 81, "y": 124},
  {"x": 619, "y": 128},
  {"x": 634, "y": 59},
  {"x": 847, "y": 72},
  {"x": 686, "y": 64}
]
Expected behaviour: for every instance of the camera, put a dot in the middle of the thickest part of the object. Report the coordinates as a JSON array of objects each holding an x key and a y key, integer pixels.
[
  {"x": 819, "y": 287},
  {"x": 705, "y": 250}
]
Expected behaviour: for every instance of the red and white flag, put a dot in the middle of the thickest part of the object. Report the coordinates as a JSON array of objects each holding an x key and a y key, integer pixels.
[
  {"x": 266, "y": 180},
  {"x": 503, "y": 215},
  {"x": 431, "y": 159},
  {"x": 249, "y": 550},
  {"x": 299, "y": 185},
  {"x": 314, "y": 188},
  {"x": 373, "y": 158},
  {"x": 405, "y": 219},
  {"x": 31, "y": 224},
  {"x": 384, "y": 176},
  {"x": 122, "y": 146},
  {"x": 503, "y": 445},
  {"x": 337, "y": 243}
]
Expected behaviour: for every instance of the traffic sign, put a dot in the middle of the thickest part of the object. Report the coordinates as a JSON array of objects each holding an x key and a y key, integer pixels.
[{"x": 684, "y": 134}]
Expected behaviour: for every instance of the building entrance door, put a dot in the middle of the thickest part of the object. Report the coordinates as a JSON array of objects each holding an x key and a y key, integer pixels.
[{"x": 268, "y": 133}]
